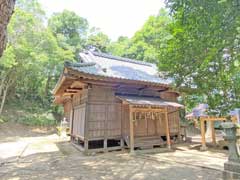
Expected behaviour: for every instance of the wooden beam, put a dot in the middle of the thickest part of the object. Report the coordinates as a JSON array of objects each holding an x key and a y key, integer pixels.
[
  {"x": 136, "y": 109},
  {"x": 152, "y": 110},
  {"x": 77, "y": 84},
  {"x": 68, "y": 93},
  {"x": 131, "y": 129},
  {"x": 214, "y": 118},
  {"x": 71, "y": 91},
  {"x": 74, "y": 89},
  {"x": 213, "y": 133},
  {"x": 204, "y": 147},
  {"x": 167, "y": 130}
]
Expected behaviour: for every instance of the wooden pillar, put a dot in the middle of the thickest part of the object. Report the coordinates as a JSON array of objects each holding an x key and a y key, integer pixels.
[
  {"x": 179, "y": 128},
  {"x": 213, "y": 133},
  {"x": 131, "y": 128},
  {"x": 204, "y": 147},
  {"x": 167, "y": 129},
  {"x": 86, "y": 133},
  {"x": 234, "y": 119},
  {"x": 71, "y": 123},
  {"x": 105, "y": 145},
  {"x": 122, "y": 143},
  {"x": 86, "y": 145}
]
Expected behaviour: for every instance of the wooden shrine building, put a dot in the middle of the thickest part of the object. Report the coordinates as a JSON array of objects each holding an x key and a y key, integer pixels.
[{"x": 114, "y": 102}]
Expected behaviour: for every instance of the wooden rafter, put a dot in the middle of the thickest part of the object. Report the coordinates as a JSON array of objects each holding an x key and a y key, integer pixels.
[{"x": 75, "y": 90}]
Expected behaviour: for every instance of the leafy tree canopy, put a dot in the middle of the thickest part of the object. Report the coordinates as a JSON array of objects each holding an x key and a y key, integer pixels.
[
  {"x": 98, "y": 40},
  {"x": 203, "y": 51},
  {"x": 70, "y": 30},
  {"x": 197, "y": 43}
]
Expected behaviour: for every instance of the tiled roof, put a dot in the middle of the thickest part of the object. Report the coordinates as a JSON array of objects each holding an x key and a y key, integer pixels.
[
  {"x": 106, "y": 65},
  {"x": 153, "y": 101}
]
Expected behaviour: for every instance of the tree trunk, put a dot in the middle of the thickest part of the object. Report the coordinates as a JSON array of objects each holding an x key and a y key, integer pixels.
[
  {"x": 6, "y": 10},
  {"x": 1, "y": 86},
  {"x": 4, "y": 98}
]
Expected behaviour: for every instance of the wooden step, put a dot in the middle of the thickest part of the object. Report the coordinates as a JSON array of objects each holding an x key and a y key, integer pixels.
[{"x": 146, "y": 142}]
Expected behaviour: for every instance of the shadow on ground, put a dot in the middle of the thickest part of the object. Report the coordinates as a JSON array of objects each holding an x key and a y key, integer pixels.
[
  {"x": 68, "y": 163},
  {"x": 44, "y": 156}
]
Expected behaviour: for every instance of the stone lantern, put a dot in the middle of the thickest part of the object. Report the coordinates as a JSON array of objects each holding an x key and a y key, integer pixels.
[{"x": 232, "y": 136}]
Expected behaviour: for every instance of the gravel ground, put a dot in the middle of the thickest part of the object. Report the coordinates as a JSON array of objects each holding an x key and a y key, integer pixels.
[{"x": 25, "y": 153}]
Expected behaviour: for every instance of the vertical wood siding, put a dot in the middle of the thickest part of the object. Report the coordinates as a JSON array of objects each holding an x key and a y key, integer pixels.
[
  {"x": 104, "y": 113},
  {"x": 98, "y": 114},
  {"x": 79, "y": 113},
  {"x": 79, "y": 120}
]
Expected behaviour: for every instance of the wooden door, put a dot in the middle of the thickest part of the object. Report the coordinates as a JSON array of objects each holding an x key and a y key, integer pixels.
[
  {"x": 151, "y": 127},
  {"x": 147, "y": 126},
  {"x": 140, "y": 127}
]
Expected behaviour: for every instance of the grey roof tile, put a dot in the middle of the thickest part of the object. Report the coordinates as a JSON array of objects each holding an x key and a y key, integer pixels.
[
  {"x": 106, "y": 65},
  {"x": 153, "y": 101}
]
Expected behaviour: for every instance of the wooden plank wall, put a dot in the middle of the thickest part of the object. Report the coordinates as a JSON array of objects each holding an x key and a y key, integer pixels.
[
  {"x": 149, "y": 127},
  {"x": 104, "y": 116},
  {"x": 104, "y": 113},
  {"x": 174, "y": 118},
  {"x": 79, "y": 120},
  {"x": 79, "y": 113},
  {"x": 153, "y": 127}
]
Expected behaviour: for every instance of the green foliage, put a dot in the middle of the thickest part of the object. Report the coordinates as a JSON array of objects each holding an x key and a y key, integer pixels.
[
  {"x": 28, "y": 113},
  {"x": 70, "y": 30},
  {"x": 198, "y": 44},
  {"x": 33, "y": 60},
  {"x": 147, "y": 43},
  {"x": 39, "y": 120},
  {"x": 203, "y": 51},
  {"x": 120, "y": 47},
  {"x": 98, "y": 40},
  {"x": 34, "y": 54}
]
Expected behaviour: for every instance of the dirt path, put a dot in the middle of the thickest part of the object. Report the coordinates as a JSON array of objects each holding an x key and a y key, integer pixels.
[{"x": 46, "y": 156}]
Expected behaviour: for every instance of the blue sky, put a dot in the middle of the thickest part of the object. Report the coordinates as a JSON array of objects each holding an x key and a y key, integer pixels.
[{"x": 113, "y": 17}]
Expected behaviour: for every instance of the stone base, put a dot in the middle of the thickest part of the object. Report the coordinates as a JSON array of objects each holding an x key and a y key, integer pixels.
[
  {"x": 203, "y": 148},
  {"x": 232, "y": 166},
  {"x": 228, "y": 175},
  {"x": 231, "y": 170}
]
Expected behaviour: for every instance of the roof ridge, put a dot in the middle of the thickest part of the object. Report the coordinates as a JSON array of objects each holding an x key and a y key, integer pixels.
[
  {"x": 118, "y": 58},
  {"x": 78, "y": 64}
]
